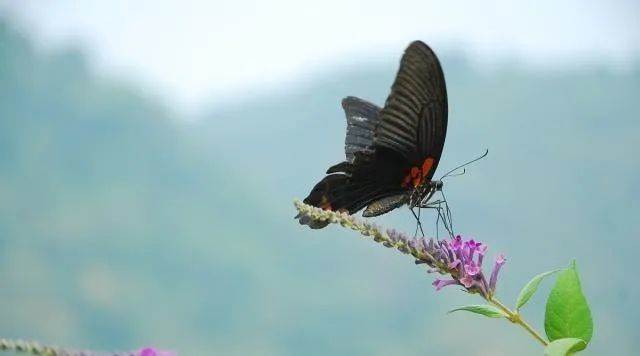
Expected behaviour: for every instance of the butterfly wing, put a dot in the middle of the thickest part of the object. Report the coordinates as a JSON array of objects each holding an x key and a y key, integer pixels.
[
  {"x": 362, "y": 120},
  {"x": 413, "y": 121}
]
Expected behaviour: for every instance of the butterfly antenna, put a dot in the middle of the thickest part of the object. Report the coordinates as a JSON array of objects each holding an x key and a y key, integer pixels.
[
  {"x": 464, "y": 170},
  {"x": 449, "y": 174}
]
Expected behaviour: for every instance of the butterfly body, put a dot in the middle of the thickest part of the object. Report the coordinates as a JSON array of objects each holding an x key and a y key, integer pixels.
[{"x": 391, "y": 152}]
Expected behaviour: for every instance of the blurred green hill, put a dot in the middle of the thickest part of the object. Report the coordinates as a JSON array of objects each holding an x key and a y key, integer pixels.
[
  {"x": 123, "y": 225},
  {"x": 110, "y": 218}
]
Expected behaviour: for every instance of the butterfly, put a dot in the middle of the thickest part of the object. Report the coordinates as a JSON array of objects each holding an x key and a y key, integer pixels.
[{"x": 392, "y": 152}]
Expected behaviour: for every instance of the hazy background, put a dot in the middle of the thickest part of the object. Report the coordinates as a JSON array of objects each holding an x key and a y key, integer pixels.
[{"x": 150, "y": 152}]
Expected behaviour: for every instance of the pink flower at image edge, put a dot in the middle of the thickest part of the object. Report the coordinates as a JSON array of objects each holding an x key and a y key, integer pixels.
[{"x": 150, "y": 351}]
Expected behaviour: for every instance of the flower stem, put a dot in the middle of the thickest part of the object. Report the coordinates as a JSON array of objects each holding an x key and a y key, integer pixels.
[
  {"x": 516, "y": 318},
  {"x": 26, "y": 346}
]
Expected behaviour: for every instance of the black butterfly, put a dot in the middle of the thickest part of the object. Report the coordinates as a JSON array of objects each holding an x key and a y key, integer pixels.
[{"x": 391, "y": 153}]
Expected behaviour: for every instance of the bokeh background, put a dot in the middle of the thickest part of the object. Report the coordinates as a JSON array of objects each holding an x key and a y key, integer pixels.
[{"x": 150, "y": 152}]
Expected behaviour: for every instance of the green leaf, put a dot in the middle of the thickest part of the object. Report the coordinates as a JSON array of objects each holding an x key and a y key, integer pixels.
[
  {"x": 530, "y": 288},
  {"x": 486, "y": 310},
  {"x": 567, "y": 314},
  {"x": 565, "y": 347}
]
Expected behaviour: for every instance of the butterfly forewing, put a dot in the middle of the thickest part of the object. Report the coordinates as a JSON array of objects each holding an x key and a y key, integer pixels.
[{"x": 413, "y": 121}]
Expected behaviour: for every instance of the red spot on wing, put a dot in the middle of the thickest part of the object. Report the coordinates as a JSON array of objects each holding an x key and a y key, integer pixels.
[
  {"x": 416, "y": 175},
  {"x": 427, "y": 165}
]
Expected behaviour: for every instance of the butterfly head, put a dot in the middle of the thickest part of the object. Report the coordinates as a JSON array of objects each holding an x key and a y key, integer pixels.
[{"x": 424, "y": 192}]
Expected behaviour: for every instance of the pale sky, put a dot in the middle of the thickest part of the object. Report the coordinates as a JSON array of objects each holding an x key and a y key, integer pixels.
[{"x": 192, "y": 52}]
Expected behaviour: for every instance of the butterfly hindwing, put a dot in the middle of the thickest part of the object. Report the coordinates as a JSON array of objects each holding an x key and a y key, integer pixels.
[
  {"x": 362, "y": 120},
  {"x": 385, "y": 205}
]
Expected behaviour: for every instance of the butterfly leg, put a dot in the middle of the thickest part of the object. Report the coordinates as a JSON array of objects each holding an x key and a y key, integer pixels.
[
  {"x": 444, "y": 214},
  {"x": 438, "y": 226},
  {"x": 418, "y": 223},
  {"x": 448, "y": 215},
  {"x": 438, "y": 218}
]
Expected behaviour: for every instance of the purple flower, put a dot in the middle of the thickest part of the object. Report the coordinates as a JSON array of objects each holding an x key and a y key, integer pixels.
[
  {"x": 462, "y": 260},
  {"x": 439, "y": 283},
  {"x": 471, "y": 247},
  {"x": 467, "y": 281},
  {"x": 150, "y": 351},
  {"x": 422, "y": 245},
  {"x": 500, "y": 260},
  {"x": 471, "y": 268},
  {"x": 396, "y": 236},
  {"x": 456, "y": 244},
  {"x": 481, "y": 251}
]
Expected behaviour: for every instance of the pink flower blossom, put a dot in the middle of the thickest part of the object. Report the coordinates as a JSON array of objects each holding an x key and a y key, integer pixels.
[
  {"x": 458, "y": 258},
  {"x": 150, "y": 351}
]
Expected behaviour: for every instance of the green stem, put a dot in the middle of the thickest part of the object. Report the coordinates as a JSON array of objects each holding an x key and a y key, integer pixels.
[{"x": 516, "y": 318}]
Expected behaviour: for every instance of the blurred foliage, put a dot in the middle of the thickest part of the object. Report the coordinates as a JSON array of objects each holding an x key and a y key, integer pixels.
[
  {"x": 109, "y": 215},
  {"x": 123, "y": 225}
]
